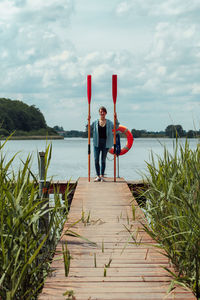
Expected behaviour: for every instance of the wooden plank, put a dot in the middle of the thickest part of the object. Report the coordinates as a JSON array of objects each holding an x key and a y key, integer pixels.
[
  {"x": 104, "y": 211},
  {"x": 48, "y": 295}
]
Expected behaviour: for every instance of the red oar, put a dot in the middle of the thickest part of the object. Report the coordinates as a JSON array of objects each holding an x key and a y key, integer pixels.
[
  {"x": 114, "y": 94},
  {"x": 89, "y": 93}
]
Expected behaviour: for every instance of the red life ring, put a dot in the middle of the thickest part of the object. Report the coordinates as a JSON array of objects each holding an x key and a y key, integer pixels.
[{"x": 129, "y": 143}]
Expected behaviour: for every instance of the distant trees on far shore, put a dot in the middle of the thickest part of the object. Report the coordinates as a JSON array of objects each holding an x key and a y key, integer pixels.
[
  {"x": 70, "y": 133},
  {"x": 144, "y": 133},
  {"x": 171, "y": 131},
  {"x": 20, "y": 119}
]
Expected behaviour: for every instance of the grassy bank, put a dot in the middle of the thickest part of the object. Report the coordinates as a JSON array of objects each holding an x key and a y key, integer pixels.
[
  {"x": 173, "y": 211},
  {"x": 39, "y": 134},
  {"x": 36, "y": 137},
  {"x": 26, "y": 242}
]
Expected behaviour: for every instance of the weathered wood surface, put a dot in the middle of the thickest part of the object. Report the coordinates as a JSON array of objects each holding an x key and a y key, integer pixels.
[{"x": 135, "y": 271}]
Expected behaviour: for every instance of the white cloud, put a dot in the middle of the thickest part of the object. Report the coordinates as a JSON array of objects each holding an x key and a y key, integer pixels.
[
  {"x": 135, "y": 107},
  {"x": 123, "y": 7},
  {"x": 158, "y": 8},
  {"x": 190, "y": 107},
  {"x": 101, "y": 70},
  {"x": 8, "y": 9},
  {"x": 31, "y": 39},
  {"x": 161, "y": 70},
  {"x": 42, "y": 66},
  {"x": 196, "y": 89}
]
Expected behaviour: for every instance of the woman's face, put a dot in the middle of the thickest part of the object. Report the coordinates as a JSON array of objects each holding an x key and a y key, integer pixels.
[{"x": 102, "y": 113}]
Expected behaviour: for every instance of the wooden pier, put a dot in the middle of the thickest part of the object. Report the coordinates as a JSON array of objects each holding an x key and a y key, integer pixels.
[{"x": 106, "y": 262}]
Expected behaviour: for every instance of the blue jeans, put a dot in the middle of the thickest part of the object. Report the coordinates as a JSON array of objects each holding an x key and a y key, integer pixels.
[{"x": 102, "y": 148}]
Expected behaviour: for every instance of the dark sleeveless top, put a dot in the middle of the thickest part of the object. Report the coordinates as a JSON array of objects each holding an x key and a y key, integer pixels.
[{"x": 102, "y": 132}]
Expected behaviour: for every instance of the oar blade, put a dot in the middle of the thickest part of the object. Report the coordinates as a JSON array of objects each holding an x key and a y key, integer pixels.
[
  {"x": 89, "y": 88},
  {"x": 114, "y": 88}
]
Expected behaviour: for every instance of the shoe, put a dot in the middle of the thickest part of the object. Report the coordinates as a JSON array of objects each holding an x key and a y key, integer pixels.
[
  {"x": 103, "y": 179},
  {"x": 97, "y": 179}
]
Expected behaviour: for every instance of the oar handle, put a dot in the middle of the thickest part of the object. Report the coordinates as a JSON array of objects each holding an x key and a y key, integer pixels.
[
  {"x": 114, "y": 129},
  {"x": 89, "y": 94},
  {"x": 114, "y": 95}
]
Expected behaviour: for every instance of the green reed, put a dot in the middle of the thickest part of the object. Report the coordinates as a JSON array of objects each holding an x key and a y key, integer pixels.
[
  {"x": 173, "y": 211},
  {"x": 25, "y": 247}
]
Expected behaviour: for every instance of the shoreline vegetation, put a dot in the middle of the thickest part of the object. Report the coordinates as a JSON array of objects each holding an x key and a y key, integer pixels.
[
  {"x": 30, "y": 228},
  {"x": 21, "y": 121},
  {"x": 172, "y": 208},
  {"x": 35, "y": 137},
  {"x": 171, "y": 131}
]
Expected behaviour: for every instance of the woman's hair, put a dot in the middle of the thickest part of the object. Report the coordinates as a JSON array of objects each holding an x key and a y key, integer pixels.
[{"x": 103, "y": 108}]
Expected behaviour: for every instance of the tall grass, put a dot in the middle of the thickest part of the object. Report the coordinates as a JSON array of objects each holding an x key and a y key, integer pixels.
[
  {"x": 173, "y": 210},
  {"x": 25, "y": 248}
]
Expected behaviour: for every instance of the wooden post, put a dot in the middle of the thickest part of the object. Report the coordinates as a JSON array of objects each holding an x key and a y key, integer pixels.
[
  {"x": 41, "y": 173},
  {"x": 43, "y": 192},
  {"x": 89, "y": 93},
  {"x": 118, "y": 167},
  {"x": 114, "y": 94}
]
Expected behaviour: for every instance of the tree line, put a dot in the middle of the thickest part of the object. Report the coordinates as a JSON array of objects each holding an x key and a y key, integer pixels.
[
  {"x": 22, "y": 119},
  {"x": 171, "y": 131}
]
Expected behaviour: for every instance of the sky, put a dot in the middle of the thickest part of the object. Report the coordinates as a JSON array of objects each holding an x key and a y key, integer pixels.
[{"x": 47, "y": 49}]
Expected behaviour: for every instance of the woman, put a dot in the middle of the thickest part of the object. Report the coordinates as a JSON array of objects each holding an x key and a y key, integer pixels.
[{"x": 102, "y": 141}]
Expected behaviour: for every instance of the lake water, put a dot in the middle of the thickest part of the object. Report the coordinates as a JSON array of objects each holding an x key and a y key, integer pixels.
[{"x": 70, "y": 159}]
